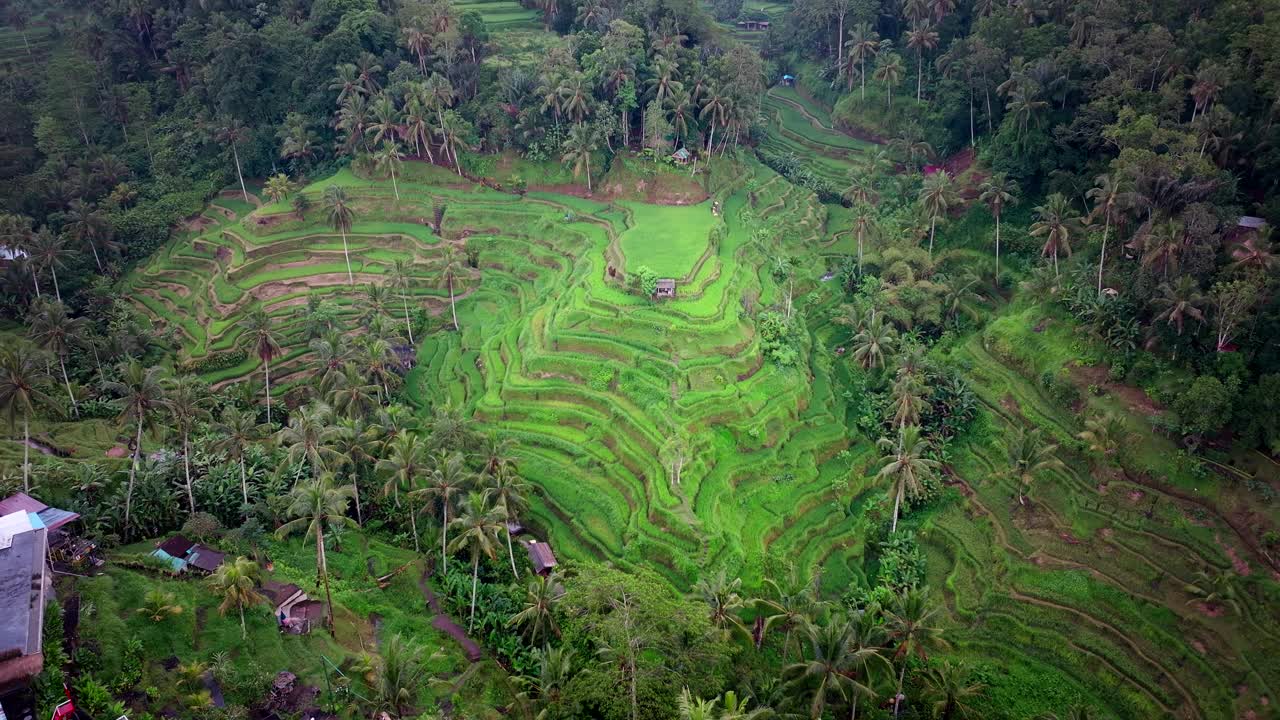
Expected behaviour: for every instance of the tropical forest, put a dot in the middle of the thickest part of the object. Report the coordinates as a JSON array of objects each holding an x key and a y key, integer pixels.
[{"x": 639, "y": 359}]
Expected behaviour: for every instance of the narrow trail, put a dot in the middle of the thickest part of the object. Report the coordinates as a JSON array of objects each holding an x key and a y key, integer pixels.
[{"x": 446, "y": 624}]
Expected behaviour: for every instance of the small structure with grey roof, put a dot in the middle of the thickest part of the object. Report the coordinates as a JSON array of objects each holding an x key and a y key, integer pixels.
[
  {"x": 541, "y": 557},
  {"x": 204, "y": 558},
  {"x": 666, "y": 288}
]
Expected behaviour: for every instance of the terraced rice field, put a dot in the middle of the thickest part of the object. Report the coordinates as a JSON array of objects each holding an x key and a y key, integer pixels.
[
  {"x": 801, "y": 127},
  {"x": 15, "y": 48},
  {"x": 502, "y": 14}
]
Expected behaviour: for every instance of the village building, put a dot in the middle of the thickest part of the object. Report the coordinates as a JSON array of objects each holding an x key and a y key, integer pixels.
[
  {"x": 181, "y": 554},
  {"x": 666, "y": 288},
  {"x": 789, "y": 80},
  {"x": 753, "y": 25},
  {"x": 682, "y": 156},
  {"x": 25, "y": 588},
  {"x": 541, "y": 557}
]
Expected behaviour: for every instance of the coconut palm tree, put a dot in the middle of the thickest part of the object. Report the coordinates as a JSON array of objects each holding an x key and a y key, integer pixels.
[
  {"x": 1030, "y": 454},
  {"x": 46, "y": 251},
  {"x": 1105, "y": 435},
  {"x": 236, "y": 431},
  {"x": 1056, "y": 221},
  {"x": 905, "y": 465},
  {"x": 453, "y": 263},
  {"x": 789, "y": 605},
  {"x": 341, "y": 218},
  {"x": 389, "y": 159},
  {"x": 309, "y": 438},
  {"x": 715, "y": 110},
  {"x": 1108, "y": 195},
  {"x": 316, "y": 504},
  {"x": 53, "y": 331},
  {"x": 454, "y": 131},
  {"x": 477, "y": 528},
  {"x": 235, "y": 582},
  {"x": 1256, "y": 252},
  {"x": 261, "y": 332},
  {"x": 507, "y": 490},
  {"x": 277, "y": 187},
  {"x": 952, "y": 687},
  {"x": 861, "y": 189},
  {"x": 912, "y": 625},
  {"x": 86, "y": 224},
  {"x": 999, "y": 192},
  {"x": 724, "y": 601},
  {"x": 399, "y": 675},
  {"x": 827, "y": 673},
  {"x": 921, "y": 37},
  {"x": 874, "y": 341},
  {"x": 400, "y": 279},
  {"x": 937, "y": 196},
  {"x": 158, "y": 606},
  {"x": 404, "y": 466},
  {"x": 22, "y": 380},
  {"x": 578, "y": 147},
  {"x": 186, "y": 402},
  {"x": 863, "y": 43},
  {"x": 864, "y": 226},
  {"x": 231, "y": 131},
  {"x": 448, "y": 477},
  {"x": 1180, "y": 301},
  {"x": 537, "y": 618},
  {"x": 139, "y": 398},
  {"x": 889, "y": 72}
]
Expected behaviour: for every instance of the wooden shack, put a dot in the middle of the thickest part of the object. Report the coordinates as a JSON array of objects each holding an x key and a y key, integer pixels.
[
  {"x": 541, "y": 557},
  {"x": 666, "y": 288}
]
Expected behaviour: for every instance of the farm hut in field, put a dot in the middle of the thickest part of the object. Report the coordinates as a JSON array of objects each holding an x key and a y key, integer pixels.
[
  {"x": 789, "y": 80},
  {"x": 541, "y": 557},
  {"x": 682, "y": 156},
  {"x": 205, "y": 559},
  {"x": 175, "y": 552},
  {"x": 666, "y": 288}
]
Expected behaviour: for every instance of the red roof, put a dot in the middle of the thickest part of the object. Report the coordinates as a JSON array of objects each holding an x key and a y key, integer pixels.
[{"x": 177, "y": 546}]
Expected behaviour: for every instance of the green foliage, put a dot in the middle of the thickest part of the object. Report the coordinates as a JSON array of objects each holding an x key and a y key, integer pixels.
[
  {"x": 645, "y": 280},
  {"x": 1205, "y": 406},
  {"x": 778, "y": 340}
]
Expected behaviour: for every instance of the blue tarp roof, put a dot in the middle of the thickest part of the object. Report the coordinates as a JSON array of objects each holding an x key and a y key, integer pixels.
[
  {"x": 788, "y": 77},
  {"x": 178, "y": 564}
]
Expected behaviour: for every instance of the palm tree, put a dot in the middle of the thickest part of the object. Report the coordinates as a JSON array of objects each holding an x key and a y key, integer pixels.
[
  {"x": 404, "y": 464},
  {"x": 1256, "y": 252},
  {"x": 921, "y": 37},
  {"x": 861, "y": 189},
  {"x": 399, "y": 675},
  {"x": 46, "y": 251},
  {"x": 86, "y": 225},
  {"x": 507, "y": 490},
  {"x": 236, "y": 583},
  {"x": 714, "y": 112},
  {"x": 277, "y": 187},
  {"x": 537, "y": 617},
  {"x": 874, "y": 341},
  {"x": 454, "y": 131},
  {"x": 53, "y": 331},
  {"x": 905, "y": 465},
  {"x": 912, "y": 625},
  {"x": 788, "y": 606},
  {"x": 400, "y": 278},
  {"x": 1025, "y": 108},
  {"x": 864, "y": 226},
  {"x": 827, "y": 672},
  {"x": 346, "y": 82},
  {"x": 389, "y": 158},
  {"x": 1180, "y": 301},
  {"x": 314, "y": 505},
  {"x": 139, "y": 394},
  {"x": 578, "y": 147},
  {"x": 1030, "y": 454},
  {"x": 186, "y": 402},
  {"x": 309, "y": 438},
  {"x": 863, "y": 43},
  {"x": 341, "y": 218},
  {"x": 1107, "y": 193},
  {"x": 257, "y": 326},
  {"x": 889, "y": 72},
  {"x": 21, "y": 387},
  {"x": 237, "y": 431},
  {"x": 448, "y": 477},
  {"x": 452, "y": 264},
  {"x": 936, "y": 196},
  {"x": 352, "y": 395},
  {"x": 477, "y": 532},
  {"x": 952, "y": 686},
  {"x": 231, "y": 131},
  {"x": 1056, "y": 220},
  {"x": 1104, "y": 435},
  {"x": 158, "y": 606},
  {"x": 999, "y": 192},
  {"x": 723, "y": 598},
  {"x": 386, "y": 120}
]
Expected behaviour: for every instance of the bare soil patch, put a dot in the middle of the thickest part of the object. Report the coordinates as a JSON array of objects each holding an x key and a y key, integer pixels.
[{"x": 1086, "y": 376}]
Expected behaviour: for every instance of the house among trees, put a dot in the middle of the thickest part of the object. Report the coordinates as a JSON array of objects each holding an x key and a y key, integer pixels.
[
  {"x": 682, "y": 156},
  {"x": 181, "y": 553},
  {"x": 754, "y": 24},
  {"x": 294, "y": 611},
  {"x": 25, "y": 587},
  {"x": 789, "y": 80},
  {"x": 64, "y": 545},
  {"x": 666, "y": 288},
  {"x": 541, "y": 557}
]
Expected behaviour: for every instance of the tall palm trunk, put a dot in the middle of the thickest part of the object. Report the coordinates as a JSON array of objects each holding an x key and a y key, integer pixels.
[
  {"x": 186, "y": 470},
  {"x": 35, "y": 277},
  {"x": 244, "y": 634},
  {"x": 96, "y": 259},
  {"x": 511, "y": 554},
  {"x": 133, "y": 473},
  {"x": 588, "y": 174},
  {"x": 1106, "y": 228},
  {"x": 395, "y": 186},
  {"x": 933, "y": 228},
  {"x": 919, "y": 74},
  {"x": 444, "y": 537},
  {"x": 266, "y": 370},
  {"x": 407, "y": 324},
  {"x": 861, "y": 233},
  {"x": 75, "y": 408},
  {"x": 897, "y": 503},
  {"x": 26, "y": 455},
  {"x": 997, "y": 250},
  {"x": 898, "y": 698},
  {"x": 322, "y": 565},
  {"x": 346, "y": 252},
  {"x": 475, "y": 578},
  {"x": 244, "y": 480},
  {"x": 235, "y": 152},
  {"x": 413, "y": 523},
  {"x": 453, "y": 306},
  {"x": 863, "y": 63},
  {"x": 56, "y": 290}
]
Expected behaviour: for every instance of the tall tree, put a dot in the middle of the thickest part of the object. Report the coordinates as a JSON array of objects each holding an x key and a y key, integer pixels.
[
  {"x": 236, "y": 583},
  {"x": 452, "y": 263},
  {"x": 508, "y": 491},
  {"x": 921, "y": 37},
  {"x": 1107, "y": 194},
  {"x": 405, "y": 465},
  {"x": 21, "y": 387},
  {"x": 477, "y": 528},
  {"x": 1056, "y": 222},
  {"x": 889, "y": 71},
  {"x": 316, "y": 504},
  {"x": 937, "y": 196},
  {"x": 231, "y": 131},
  {"x": 261, "y": 332},
  {"x": 537, "y": 617},
  {"x": 54, "y": 331},
  {"x": 139, "y": 397},
  {"x": 400, "y": 278},
  {"x": 1030, "y": 455},
  {"x": 863, "y": 43},
  {"x": 905, "y": 465},
  {"x": 47, "y": 251},
  {"x": 913, "y": 627},
  {"x": 186, "y": 402},
  {"x": 999, "y": 192},
  {"x": 389, "y": 158},
  {"x": 237, "y": 431},
  {"x": 341, "y": 218},
  {"x": 448, "y": 477},
  {"x": 578, "y": 148}
]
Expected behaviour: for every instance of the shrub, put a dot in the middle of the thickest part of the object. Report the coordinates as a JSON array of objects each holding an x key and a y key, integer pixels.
[
  {"x": 213, "y": 362},
  {"x": 645, "y": 279}
]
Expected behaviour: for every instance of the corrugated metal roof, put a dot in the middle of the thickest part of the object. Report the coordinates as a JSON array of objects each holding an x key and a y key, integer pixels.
[
  {"x": 21, "y": 583},
  {"x": 178, "y": 564},
  {"x": 20, "y": 501}
]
